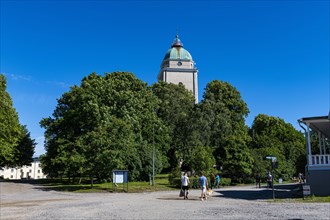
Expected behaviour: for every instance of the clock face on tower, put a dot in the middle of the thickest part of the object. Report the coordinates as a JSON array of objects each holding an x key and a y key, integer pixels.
[{"x": 179, "y": 63}]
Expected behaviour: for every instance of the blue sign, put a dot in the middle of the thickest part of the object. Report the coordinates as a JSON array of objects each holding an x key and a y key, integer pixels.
[{"x": 120, "y": 176}]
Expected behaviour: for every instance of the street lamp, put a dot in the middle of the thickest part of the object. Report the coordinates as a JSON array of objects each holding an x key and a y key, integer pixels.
[
  {"x": 153, "y": 155},
  {"x": 274, "y": 165},
  {"x": 153, "y": 148}
]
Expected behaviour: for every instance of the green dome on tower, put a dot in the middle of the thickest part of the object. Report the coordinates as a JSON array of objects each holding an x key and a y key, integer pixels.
[{"x": 177, "y": 51}]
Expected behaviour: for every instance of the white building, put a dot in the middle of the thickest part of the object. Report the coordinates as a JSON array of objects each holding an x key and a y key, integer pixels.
[
  {"x": 318, "y": 164},
  {"x": 179, "y": 67},
  {"x": 33, "y": 171}
]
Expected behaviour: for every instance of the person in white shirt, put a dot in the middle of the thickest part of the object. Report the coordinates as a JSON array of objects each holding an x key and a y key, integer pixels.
[{"x": 185, "y": 185}]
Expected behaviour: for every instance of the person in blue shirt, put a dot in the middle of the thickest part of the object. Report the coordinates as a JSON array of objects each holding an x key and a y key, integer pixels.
[
  {"x": 203, "y": 184},
  {"x": 217, "y": 181}
]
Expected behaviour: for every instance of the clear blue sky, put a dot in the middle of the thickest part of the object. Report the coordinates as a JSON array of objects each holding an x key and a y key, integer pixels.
[{"x": 276, "y": 53}]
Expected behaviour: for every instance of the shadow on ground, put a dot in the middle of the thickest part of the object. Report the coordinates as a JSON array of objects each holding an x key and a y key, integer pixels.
[
  {"x": 51, "y": 185},
  {"x": 284, "y": 191}
]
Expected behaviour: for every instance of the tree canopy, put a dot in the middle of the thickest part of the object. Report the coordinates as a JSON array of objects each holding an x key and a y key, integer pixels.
[
  {"x": 175, "y": 108},
  {"x": 23, "y": 153},
  {"x": 16, "y": 145},
  {"x": 108, "y": 122},
  {"x": 271, "y": 136},
  {"x": 223, "y": 113},
  {"x": 116, "y": 121}
]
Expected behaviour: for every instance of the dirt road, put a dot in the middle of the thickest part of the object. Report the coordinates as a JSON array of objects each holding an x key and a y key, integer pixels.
[{"x": 27, "y": 201}]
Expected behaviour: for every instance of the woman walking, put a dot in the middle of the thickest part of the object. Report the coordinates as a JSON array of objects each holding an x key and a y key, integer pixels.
[{"x": 185, "y": 185}]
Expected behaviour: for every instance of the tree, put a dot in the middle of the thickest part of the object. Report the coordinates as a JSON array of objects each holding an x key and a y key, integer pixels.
[
  {"x": 23, "y": 153},
  {"x": 222, "y": 126},
  {"x": 201, "y": 159},
  {"x": 10, "y": 129},
  {"x": 272, "y": 136},
  {"x": 107, "y": 122},
  {"x": 175, "y": 107}
]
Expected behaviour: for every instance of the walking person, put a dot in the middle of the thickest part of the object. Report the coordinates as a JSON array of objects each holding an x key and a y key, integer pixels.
[
  {"x": 217, "y": 181},
  {"x": 203, "y": 184},
  {"x": 258, "y": 179},
  {"x": 269, "y": 180},
  {"x": 185, "y": 185},
  {"x": 301, "y": 178}
]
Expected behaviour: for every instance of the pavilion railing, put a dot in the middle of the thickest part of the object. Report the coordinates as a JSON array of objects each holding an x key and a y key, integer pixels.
[{"x": 319, "y": 160}]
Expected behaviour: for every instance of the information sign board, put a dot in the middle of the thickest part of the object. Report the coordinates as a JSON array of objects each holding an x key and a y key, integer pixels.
[
  {"x": 306, "y": 190},
  {"x": 119, "y": 176}
]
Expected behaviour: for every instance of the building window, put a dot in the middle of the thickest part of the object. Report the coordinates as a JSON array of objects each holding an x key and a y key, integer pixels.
[
  {"x": 11, "y": 176},
  {"x": 39, "y": 165},
  {"x": 12, "y": 170},
  {"x": 30, "y": 171},
  {"x": 38, "y": 171}
]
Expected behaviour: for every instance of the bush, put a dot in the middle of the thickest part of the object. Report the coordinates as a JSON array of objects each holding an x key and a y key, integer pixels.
[
  {"x": 225, "y": 182},
  {"x": 201, "y": 159},
  {"x": 194, "y": 182},
  {"x": 174, "y": 178}
]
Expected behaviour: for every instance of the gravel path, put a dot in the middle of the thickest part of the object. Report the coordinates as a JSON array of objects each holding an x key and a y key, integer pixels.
[{"x": 26, "y": 201}]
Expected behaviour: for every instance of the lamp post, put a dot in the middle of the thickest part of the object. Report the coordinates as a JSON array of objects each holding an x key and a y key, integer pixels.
[
  {"x": 153, "y": 148},
  {"x": 153, "y": 155},
  {"x": 273, "y": 164}
]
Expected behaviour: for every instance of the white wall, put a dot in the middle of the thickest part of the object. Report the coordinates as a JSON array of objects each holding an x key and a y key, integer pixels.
[{"x": 33, "y": 171}]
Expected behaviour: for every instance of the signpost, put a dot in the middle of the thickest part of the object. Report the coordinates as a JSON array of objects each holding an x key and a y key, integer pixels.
[{"x": 274, "y": 165}]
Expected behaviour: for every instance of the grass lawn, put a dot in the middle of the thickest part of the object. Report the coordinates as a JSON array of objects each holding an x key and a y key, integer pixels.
[
  {"x": 309, "y": 199},
  {"x": 161, "y": 184}
]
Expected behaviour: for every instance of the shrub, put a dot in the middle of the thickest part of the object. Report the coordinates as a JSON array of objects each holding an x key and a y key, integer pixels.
[
  {"x": 174, "y": 177},
  {"x": 225, "y": 182}
]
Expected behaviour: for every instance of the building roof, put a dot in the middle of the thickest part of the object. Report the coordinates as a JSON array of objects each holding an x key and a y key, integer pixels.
[
  {"x": 177, "y": 51},
  {"x": 320, "y": 124}
]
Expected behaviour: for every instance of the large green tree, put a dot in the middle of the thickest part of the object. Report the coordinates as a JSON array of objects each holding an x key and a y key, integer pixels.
[
  {"x": 16, "y": 145},
  {"x": 10, "y": 129},
  {"x": 222, "y": 126},
  {"x": 23, "y": 154},
  {"x": 108, "y": 122},
  {"x": 175, "y": 108},
  {"x": 272, "y": 136}
]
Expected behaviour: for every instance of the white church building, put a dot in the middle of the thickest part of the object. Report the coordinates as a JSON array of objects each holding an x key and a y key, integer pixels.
[{"x": 179, "y": 67}]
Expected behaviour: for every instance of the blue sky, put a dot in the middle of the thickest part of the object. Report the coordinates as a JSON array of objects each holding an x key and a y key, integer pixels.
[{"x": 276, "y": 53}]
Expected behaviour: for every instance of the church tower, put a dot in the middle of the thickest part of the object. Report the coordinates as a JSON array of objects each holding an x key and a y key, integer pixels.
[{"x": 179, "y": 67}]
